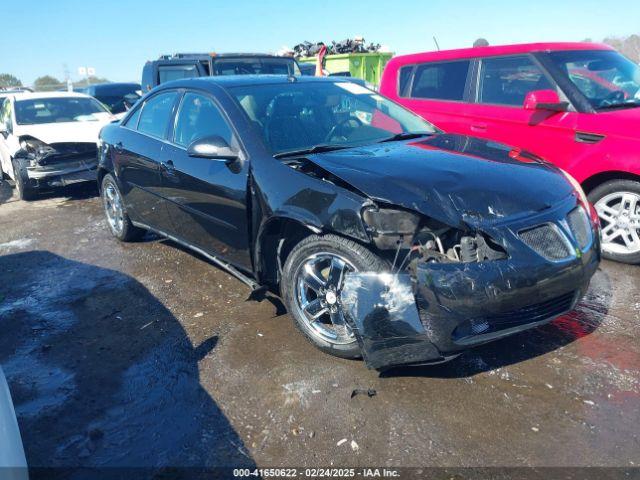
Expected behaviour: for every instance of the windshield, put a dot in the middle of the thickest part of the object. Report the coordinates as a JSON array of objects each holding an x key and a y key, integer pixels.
[
  {"x": 607, "y": 78},
  {"x": 255, "y": 66},
  {"x": 57, "y": 110},
  {"x": 118, "y": 99},
  {"x": 299, "y": 116}
]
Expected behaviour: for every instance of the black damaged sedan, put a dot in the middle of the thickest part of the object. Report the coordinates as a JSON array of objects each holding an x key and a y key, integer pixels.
[{"x": 385, "y": 238}]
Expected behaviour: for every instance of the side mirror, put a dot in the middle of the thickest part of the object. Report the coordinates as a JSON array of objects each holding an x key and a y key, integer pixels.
[
  {"x": 213, "y": 147},
  {"x": 544, "y": 100},
  {"x": 3, "y": 130}
]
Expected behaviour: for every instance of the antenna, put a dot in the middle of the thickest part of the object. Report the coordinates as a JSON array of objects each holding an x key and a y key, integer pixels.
[{"x": 436, "y": 42}]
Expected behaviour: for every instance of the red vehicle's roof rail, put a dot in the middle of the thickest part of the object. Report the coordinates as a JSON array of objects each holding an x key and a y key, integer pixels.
[{"x": 498, "y": 50}]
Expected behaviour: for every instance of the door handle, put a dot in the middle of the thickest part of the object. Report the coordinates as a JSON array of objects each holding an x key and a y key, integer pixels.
[
  {"x": 479, "y": 127},
  {"x": 167, "y": 167}
]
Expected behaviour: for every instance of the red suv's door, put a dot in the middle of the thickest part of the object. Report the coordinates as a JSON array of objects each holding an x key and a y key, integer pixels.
[{"x": 498, "y": 113}]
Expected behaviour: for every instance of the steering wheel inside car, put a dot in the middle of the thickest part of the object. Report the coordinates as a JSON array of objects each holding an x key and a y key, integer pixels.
[
  {"x": 613, "y": 98},
  {"x": 339, "y": 128}
]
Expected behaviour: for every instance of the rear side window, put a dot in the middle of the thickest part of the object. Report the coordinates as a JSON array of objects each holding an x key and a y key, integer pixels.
[
  {"x": 404, "y": 77},
  {"x": 507, "y": 80},
  {"x": 156, "y": 113},
  {"x": 441, "y": 81},
  {"x": 176, "y": 72},
  {"x": 198, "y": 118}
]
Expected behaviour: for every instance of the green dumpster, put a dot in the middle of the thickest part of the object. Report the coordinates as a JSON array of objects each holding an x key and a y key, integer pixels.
[{"x": 367, "y": 66}]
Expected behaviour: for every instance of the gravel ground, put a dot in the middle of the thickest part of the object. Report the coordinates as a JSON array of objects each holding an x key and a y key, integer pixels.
[{"x": 147, "y": 355}]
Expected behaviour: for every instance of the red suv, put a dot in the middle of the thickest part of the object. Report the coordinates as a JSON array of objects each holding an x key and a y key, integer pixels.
[{"x": 575, "y": 104}]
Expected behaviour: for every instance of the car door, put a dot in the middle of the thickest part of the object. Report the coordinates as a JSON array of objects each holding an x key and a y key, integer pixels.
[
  {"x": 438, "y": 92},
  {"x": 137, "y": 156},
  {"x": 498, "y": 112},
  {"x": 207, "y": 198}
]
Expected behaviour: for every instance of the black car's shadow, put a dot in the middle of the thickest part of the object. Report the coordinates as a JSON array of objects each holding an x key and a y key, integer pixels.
[
  {"x": 75, "y": 191},
  {"x": 280, "y": 309},
  {"x": 103, "y": 376},
  {"x": 583, "y": 321}
]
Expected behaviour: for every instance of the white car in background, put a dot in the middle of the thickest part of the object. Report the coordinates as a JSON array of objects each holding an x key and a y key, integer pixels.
[
  {"x": 49, "y": 139},
  {"x": 13, "y": 465}
]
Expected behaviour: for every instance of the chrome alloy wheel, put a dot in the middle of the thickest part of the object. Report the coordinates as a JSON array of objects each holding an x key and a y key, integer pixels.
[
  {"x": 113, "y": 208},
  {"x": 318, "y": 283},
  {"x": 619, "y": 214}
]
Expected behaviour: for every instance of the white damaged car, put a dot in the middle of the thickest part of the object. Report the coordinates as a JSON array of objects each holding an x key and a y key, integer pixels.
[{"x": 49, "y": 139}]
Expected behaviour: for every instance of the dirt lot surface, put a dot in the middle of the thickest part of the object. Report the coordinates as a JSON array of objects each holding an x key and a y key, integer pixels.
[{"x": 144, "y": 354}]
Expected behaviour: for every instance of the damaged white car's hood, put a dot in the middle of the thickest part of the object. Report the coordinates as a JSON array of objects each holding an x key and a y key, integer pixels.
[{"x": 66, "y": 131}]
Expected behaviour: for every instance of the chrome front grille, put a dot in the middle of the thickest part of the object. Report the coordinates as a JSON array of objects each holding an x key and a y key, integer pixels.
[
  {"x": 580, "y": 227},
  {"x": 548, "y": 241}
]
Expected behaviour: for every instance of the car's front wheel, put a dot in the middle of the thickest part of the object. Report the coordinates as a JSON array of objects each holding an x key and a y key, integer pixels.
[
  {"x": 114, "y": 209},
  {"x": 312, "y": 280},
  {"x": 23, "y": 189},
  {"x": 618, "y": 205}
]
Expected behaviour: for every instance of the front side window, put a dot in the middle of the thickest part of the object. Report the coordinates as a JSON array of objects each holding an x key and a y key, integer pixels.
[
  {"x": 441, "y": 81},
  {"x": 507, "y": 80},
  {"x": 156, "y": 113},
  {"x": 606, "y": 78},
  {"x": 198, "y": 118},
  {"x": 295, "y": 116},
  {"x": 38, "y": 111},
  {"x": 176, "y": 72}
]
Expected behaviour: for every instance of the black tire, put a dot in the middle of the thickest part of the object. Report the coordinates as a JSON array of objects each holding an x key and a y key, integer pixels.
[
  {"x": 359, "y": 256},
  {"x": 602, "y": 191},
  {"x": 128, "y": 232},
  {"x": 23, "y": 189}
]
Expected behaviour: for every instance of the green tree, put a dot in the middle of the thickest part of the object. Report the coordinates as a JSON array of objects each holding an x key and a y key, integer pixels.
[
  {"x": 8, "y": 80},
  {"x": 47, "y": 83},
  {"x": 629, "y": 46},
  {"x": 92, "y": 80}
]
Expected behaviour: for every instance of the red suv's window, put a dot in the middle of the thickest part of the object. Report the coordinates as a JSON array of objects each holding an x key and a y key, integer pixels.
[
  {"x": 507, "y": 80},
  {"x": 440, "y": 81}
]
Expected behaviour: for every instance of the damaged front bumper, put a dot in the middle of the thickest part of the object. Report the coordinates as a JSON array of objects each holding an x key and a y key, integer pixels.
[
  {"x": 57, "y": 164},
  {"x": 444, "y": 308}
]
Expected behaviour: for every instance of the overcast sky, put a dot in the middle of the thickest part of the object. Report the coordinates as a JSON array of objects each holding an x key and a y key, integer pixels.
[{"x": 116, "y": 37}]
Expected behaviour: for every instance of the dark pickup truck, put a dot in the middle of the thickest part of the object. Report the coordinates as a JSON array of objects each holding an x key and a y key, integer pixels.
[{"x": 188, "y": 65}]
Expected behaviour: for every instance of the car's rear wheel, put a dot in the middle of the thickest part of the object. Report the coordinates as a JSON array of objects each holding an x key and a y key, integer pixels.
[
  {"x": 114, "y": 209},
  {"x": 618, "y": 205},
  {"x": 23, "y": 189},
  {"x": 312, "y": 280}
]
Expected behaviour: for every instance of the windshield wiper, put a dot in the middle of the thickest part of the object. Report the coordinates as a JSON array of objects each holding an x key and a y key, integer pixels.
[
  {"x": 405, "y": 136},
  {"x": 630, "y": 104},
  {"x": 322, "y": 147}
]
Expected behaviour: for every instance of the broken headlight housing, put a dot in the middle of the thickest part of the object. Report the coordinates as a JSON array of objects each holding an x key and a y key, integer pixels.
[
  {"x": 389, "y": 227},
  {"x": 412, "y": 237}
]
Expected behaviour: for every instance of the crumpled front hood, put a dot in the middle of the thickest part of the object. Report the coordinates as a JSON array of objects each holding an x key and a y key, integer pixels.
[
  {"x": 450, "y": 178},
  {"x": 66, "y": 131}
]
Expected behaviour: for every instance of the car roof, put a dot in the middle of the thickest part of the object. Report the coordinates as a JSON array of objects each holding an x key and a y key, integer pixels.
[
  {"x": 35, "y": 95},
  {"x": 496, "y": 50},
  {"x": 230, "y": 81},
  {"x": 207, "y": 56}
]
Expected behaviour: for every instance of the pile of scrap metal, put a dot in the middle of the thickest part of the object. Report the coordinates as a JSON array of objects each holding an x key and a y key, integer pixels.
[{"x": 355, "y": 45}]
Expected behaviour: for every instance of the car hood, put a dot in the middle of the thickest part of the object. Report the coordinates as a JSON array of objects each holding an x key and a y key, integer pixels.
[
  {"x": 622, "y": 123},
  {"x": 451, "y": 178},
  {"x": 66, "y": 131}
]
